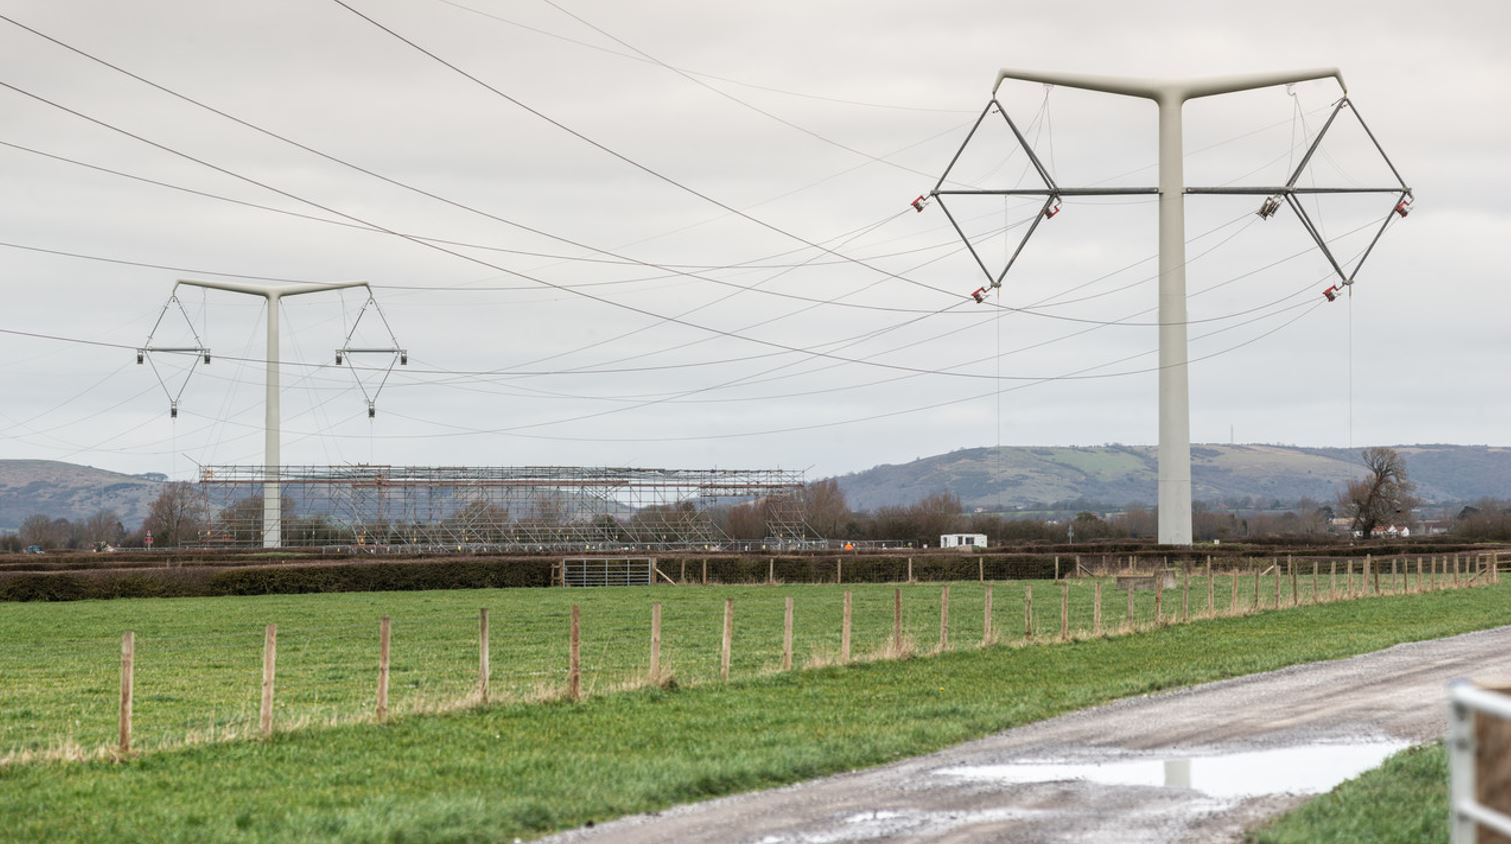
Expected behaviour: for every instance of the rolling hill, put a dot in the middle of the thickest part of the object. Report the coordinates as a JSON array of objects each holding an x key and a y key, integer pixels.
[
  {"x": 1018, "y": 477},
  {"x": 70, "y": 491},
  {"x": 1025, "y": 477}
]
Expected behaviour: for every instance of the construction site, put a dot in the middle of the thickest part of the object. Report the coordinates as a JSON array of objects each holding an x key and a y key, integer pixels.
[{"x": 419, "y": 509}]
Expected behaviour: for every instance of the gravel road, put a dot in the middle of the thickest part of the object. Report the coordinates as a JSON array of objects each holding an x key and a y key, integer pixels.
[{"x": 1197, "y": 764}]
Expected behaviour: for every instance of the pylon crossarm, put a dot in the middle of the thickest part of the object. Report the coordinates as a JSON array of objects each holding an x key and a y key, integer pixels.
[
  {"x": 396, "y": 354},
  {"x": 1281, "y": 190},
  {"x": 1055, "y": 191},
  {"x": 199, "y": 352}
]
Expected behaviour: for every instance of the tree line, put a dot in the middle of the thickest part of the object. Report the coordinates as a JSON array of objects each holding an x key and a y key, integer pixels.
[{"x": 1383, "y": 496}]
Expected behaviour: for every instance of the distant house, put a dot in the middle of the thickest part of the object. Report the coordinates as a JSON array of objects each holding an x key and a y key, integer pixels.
[{"x": 962, "y": 540}]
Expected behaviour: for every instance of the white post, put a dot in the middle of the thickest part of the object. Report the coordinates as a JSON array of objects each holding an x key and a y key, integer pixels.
[
  {"x": 272, "y": 491},
  {"x": 1174, "y": 389},
  {"x": 1461, "y": 827},
  {"x": 1174, "y": 464}
]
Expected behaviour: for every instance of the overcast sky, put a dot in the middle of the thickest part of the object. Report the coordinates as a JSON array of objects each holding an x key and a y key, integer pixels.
[{"x": 706, "y": 337}]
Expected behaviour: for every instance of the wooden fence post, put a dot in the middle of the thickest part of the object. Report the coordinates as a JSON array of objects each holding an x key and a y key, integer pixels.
[
  {"x": 1395, "y": 566},
  {"x": 729, "y": 630},
  {"x": 839, "y": 570},
  {"x": 787, "y": 636},
  {"x": 1332, "y": 583},
  {"x": 986, "y": 617},
  {"x": 269, "y": 669},
  {"x": 1128, "y": 621},
  {"x": 484, "y": 665},
  {"x": 1256, "y": 586},
  {"x": 1057, "y": 568},
  {"x": 1278, "y": 578},
  {"x": 656, "y": 642},
  {"x": 1096, "y": 608},
  {"x": 1028, "y": 611},
  {"x": 1456, "y": 581},
  {"x": 771, "y": 571},
  {"x": 1233, "y": 598},
  {"x": 1064, "y": 611},
  {"x": 944, "y": 618},
  {"x": 1369, "y": 570},
  {"x": 980, "y": 569},
  {"x": 897, "y": 618},
  {"x": 682, "y": 573},
  {"x": 128, "y": 688},
  {"x": 910, "y": 569},
  {"x": 1316, "y": 584},
  {"x": 1290, "y": 563},
  {"x": 705, "y": 571},
  {"x": 844, "y": 632},
  {"x": 1418, "y": 589},
  {"x": 384, "y": 627},
  {"x": 574, "y": 656}
]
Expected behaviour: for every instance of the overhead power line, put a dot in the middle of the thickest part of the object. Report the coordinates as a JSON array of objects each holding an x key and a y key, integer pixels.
[
  {"x": 731, "y": 97},
  {"x": 740, "y": 82},
  {"x": 644, "y": 168}
]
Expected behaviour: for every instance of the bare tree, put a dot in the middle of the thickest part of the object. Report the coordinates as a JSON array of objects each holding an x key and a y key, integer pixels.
[
  {"x": 936, "y": 515},
  {"x": 103, "y": 527},
  {"x": 824, "y": 507},
  {"x": 745, "y": 521},
  {"x": 1382, "y": 496},
  {"x": 177, "y": 515},
  {"x": 39, "y": 530}
]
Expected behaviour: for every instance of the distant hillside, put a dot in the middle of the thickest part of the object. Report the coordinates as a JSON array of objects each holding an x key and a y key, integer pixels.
[
  {"x": 70, "y": 491},
  {"x": 1013, "y": 477}
]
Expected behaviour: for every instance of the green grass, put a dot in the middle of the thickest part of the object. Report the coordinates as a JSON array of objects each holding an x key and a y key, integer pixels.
[
  {"x": 524, "y": 769},
  {"x": 1405, "y": 800},
  {"x": 198, "y": 660}
]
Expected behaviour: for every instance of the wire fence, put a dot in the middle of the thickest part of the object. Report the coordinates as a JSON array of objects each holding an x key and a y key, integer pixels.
[{"x": 190, "y": 677}]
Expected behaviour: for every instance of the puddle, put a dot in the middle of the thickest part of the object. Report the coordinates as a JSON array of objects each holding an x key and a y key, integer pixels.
[{"x": 1306, "y": 769}]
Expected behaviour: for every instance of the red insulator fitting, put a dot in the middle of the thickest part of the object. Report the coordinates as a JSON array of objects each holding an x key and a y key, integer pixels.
[
  {"x": 1052, "y": 209},
  {"x": 979, "y": 294},
  {"x": 1331, "y": 293},
  {"x": 920, "y": 203}
]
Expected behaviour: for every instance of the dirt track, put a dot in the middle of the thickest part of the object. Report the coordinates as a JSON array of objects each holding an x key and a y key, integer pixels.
[{"x": 963, "y": 795}]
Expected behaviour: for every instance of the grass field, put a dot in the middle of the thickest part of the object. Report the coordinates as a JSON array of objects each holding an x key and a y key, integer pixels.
[
  {"x": 1404, "y": 801},
  {"x": 526, "y": 768},
  {"x": 198, "y": 660}
]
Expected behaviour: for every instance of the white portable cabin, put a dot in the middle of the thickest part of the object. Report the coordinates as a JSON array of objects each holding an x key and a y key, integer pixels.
[{"x": 962, "y": 540}]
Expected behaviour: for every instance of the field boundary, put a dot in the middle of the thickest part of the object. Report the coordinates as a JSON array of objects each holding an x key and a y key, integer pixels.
[{"x": 1280, "y": 586}]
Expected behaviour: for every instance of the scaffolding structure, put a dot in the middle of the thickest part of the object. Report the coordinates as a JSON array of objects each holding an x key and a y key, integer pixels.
[{"x": 503, "y": 508}]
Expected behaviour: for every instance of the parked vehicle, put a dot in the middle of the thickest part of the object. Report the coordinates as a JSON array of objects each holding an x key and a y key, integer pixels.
[{"x": 33, "y": 549}]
